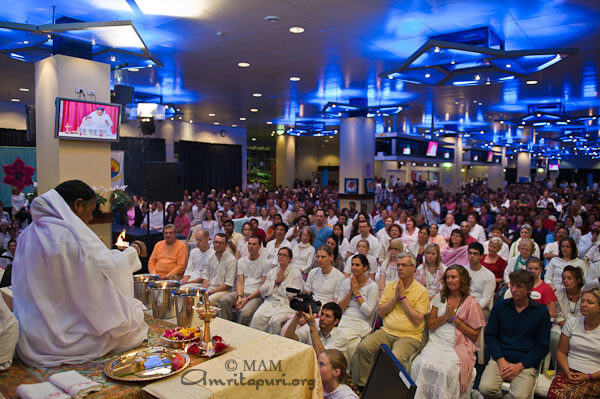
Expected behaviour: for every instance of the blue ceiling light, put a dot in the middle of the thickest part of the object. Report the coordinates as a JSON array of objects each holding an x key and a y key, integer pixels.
[
  {"x": 341, "y": 110},
  {"x": 117, "y": 43},
  {"x": 472, "y": 57},
  {"x": 548, "y": 115}
]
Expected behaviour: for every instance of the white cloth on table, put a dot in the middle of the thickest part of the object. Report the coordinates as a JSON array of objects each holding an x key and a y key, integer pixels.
[
  {"x": 436, "y": 371},
  {"x": 9, "y": 335},
  {"x": 72, "y": 296},
  {"x": 74, "y": 383},
  {"x": 43, "y": 390}
]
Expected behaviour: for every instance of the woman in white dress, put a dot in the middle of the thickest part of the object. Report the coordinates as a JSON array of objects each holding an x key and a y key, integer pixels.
[
  {"x": 332, "y": 218},
  {"x": 394, "y": 232},
  {"x": 210, "y": 224},
  {"x": 343, "y": 243},
  {"x": 264, "y": 221},
  {"x": 567, "y": 255},
  {"x": 444, "y": 368},
  {"x": 410, "y": 235},
  {"x": 430, "y": 272},
  {"x": 304, "y": 252}
]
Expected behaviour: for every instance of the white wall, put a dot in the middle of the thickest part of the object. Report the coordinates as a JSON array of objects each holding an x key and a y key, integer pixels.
[
  {"x": 12, "y": 116},
  {"x": 310, "y": 155}
]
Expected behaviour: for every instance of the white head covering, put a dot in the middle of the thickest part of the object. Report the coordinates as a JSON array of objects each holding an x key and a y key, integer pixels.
[{"x": 72, "y": 296}]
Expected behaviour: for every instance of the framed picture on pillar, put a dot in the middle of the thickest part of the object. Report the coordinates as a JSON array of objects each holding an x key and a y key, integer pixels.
[
  {"x": 369, "y": 186},
  {"x": 351, "y": 186}
]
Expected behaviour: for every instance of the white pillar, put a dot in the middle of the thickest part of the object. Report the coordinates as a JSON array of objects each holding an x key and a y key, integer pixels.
[
  {"x": 523, "y": 166},
  {"x": 285, "y": 154},
  {"x": 357, "y": 156},
  {"x": 60, "y": 160}
]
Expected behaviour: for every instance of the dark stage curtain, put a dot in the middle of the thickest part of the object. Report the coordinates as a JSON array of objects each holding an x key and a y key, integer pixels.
[
  {"x": 14, "y": 138},
  {"x": 137, "y": 152},
  {"x": 208, "y": 166}
]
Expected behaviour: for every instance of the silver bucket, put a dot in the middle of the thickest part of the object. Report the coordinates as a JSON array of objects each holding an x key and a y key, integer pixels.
[
  {"x": 140, "y": 287},
  {"x": 186, "y": 298},
  {"x": 163, "y": 302}
]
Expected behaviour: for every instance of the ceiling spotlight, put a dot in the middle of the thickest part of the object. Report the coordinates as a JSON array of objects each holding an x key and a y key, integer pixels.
[
  {"x": 269, "y": 123},
  {"x": 436, "y": 49},
  {"x": 477, "y": 77},
  {"x": 487, "y": 82},
  {"x": 253, "y": 138},
  {"x": 180, "y": 117},
  {"x": 133, "y": 69},
  {"x": 508, "y": 65},
  {"x": 427, "y": 75},
  {"x": 23, "y": 89},
  {"x": 479, "y": 103},
  {"x": 271, "y": 18},
  {"x": 233, "y": 125},
  {"x": 256, "y": 95},
  {"x": 531, "y": 82},
  {"x": 211, "y": 114},
  {"x": 452, "y": 62},
  {"x": 242, "y": 118},
  {"x": 15, "y": 100},
  {"x": 297, "y": 29},
  {"x": 294, "y": 78},
  {"x": 253, "y": 109},
  {"x": 113, "y": 58},
  {"x": 215, "y": 123},
  {"x": 191, "y": 121},
  {"x": 93, "y": 42},
  {"x": 243, "y": 64}
]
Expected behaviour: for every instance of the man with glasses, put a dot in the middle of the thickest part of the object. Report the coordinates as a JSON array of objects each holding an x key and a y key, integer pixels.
[
  {"x": 402, "y": 307},
  {"x": 219, "y": 274}
]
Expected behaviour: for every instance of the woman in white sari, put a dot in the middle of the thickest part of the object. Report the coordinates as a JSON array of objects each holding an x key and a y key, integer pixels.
[{"x": 72, "y": 296}]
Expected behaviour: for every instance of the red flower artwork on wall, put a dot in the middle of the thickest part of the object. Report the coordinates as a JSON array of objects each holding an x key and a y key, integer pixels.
[{"x": 18, "y": 174}]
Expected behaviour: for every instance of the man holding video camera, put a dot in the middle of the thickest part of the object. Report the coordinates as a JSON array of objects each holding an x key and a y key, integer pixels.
[{"x": 324, "y": 336}]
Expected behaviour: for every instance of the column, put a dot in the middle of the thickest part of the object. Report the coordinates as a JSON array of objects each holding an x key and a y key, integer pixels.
[
  {"x": 285, "y": 160},
  {"x": 60, "y": 160},
  {"x": 496, "y": 175},
  {"x": 357, "y": 157},
  {"x": 451, "y": 178},
  {"x": 523, "y": 166}
]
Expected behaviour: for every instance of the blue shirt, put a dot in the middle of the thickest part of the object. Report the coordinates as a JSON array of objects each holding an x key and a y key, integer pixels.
[
  {"x": 321, "y": 236},
  {"x": 518, "y": 337}
]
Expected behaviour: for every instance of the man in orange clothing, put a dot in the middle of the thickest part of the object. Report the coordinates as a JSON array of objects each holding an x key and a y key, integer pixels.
[{"x": 169, "y": 256}]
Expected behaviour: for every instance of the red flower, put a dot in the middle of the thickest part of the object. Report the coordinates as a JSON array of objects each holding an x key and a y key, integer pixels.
[
  {"x": 18, "y": 174},
  {"x": 220, "y": 347},
  {"x": 193, "y": 349},
  {"x": 216, "y": 338}
]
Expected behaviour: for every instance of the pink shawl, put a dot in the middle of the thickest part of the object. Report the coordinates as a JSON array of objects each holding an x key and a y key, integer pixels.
[
  {"x": 459, "y": 256},
  {"x": 470, "y": 313}
]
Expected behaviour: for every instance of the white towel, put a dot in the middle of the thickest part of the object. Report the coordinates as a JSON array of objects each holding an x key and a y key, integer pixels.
[
  {"x": 43, "y": 390},
  {"x": 74, "y": 383}
]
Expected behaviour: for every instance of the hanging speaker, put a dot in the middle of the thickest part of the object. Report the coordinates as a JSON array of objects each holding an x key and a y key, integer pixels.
[{"x": 147, "y": 126}]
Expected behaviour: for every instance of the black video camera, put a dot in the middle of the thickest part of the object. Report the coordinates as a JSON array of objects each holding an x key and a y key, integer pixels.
[{"x": 301, "y": 301}]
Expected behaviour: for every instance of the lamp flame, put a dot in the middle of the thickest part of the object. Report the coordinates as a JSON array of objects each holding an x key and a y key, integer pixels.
[{"x": 121, "y": 244}]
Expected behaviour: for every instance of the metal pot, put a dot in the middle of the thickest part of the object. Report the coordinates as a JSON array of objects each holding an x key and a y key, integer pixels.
[
  {"x": 186, "y": 298},
  {"x": 140, "y": 287},
  {"x": 163, "y": 302}
]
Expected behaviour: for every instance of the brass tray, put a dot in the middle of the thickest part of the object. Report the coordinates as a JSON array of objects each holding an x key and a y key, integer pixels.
[{"x": 156, "y": 359}]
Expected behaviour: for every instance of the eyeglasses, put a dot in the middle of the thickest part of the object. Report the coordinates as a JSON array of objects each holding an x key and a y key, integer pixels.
[
  {"x": 404, "y": 264},
  {"x": 284, "y": 255}
]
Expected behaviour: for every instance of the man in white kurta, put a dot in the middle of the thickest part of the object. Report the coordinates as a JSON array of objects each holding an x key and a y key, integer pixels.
[{"x": 72, "y": 296}]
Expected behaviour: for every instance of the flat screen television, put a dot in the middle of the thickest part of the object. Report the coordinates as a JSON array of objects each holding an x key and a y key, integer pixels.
[
  {"x": 490, "y": 156},
  {"x": 87, "y": 120},
  {"x": 388, "y": 379},
  {"x": 432, "y": 148},
  {"x": 553, "y": 166},
  {"x": 406, "y": 150}
]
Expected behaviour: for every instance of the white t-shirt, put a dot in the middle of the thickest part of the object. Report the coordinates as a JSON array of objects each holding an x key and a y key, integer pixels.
[
  {"x": 323, "y": 286},
  {"x": 197, "y": 261},
  {"x": 156, "y": 220},
  {"x": 478, "y": 233},
  {"x": 253, "y": 272},
  {"x": 584, "y": 346},
  {"x": 303, "y": 256},
  {"x": 219, "y": 272},
  {"x": 372, "y": 265},
  {"x": 483, "y": 284},
  {"x": 341, "y": 392},
  {"x": 370, "y": 294},
  {"x": 445, "y": 230},
  {"x": 335, "y": 340},
  {"x": 373, "y": 244}
]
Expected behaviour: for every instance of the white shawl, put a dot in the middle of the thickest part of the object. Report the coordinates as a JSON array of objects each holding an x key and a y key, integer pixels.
[{"x": 72, "y": 296}]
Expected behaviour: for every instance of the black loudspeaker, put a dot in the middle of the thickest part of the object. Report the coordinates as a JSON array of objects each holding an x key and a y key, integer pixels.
[
  {"x": 147, "y": 126},
  {"x": 122, "y": 94},
  {"x": 163, "y": 181}
]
